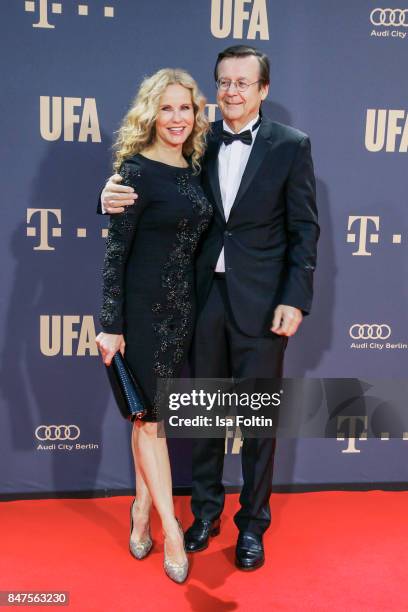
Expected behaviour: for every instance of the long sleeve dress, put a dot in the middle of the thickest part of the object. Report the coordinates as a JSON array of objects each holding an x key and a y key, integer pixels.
[{"x": 148, "y": 272}]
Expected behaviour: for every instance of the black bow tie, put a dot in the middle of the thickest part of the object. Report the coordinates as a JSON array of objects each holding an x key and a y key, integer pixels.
[
  {"x": 228, "y": 137},
  {"x": 245, "y": 137}
]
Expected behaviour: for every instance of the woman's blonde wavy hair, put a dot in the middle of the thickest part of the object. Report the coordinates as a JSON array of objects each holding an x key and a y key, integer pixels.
[{"x": 138, "y": 126}]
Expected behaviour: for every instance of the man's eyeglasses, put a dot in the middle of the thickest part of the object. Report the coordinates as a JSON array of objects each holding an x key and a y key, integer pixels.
[{"x": 225, "y": 84}]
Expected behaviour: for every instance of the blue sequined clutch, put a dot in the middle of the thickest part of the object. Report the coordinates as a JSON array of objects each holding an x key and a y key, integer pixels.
[{"x": 126, "y": 391}]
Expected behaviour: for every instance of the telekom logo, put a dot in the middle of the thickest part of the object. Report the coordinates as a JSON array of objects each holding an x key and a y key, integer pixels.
[
  {"x": 46, "y": 7},
  {"x": 363, "y": 231}
]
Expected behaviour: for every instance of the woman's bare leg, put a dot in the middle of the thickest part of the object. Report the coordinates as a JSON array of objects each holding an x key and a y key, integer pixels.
[
  {"x": 152, "y": 458},
  {"x": 143, "y": 503}
]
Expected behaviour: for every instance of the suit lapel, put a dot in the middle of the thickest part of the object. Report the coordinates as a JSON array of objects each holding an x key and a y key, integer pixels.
[
  {"x": 259, "y": 150},
  {"x": 212, "y": 167}
]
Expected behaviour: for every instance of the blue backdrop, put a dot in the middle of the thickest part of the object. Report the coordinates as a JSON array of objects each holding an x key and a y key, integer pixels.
[{"x": 69, "y": 71}]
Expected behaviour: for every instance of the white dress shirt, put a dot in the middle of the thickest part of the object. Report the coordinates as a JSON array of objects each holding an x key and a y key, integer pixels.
[{"x": 232, "y": 161}]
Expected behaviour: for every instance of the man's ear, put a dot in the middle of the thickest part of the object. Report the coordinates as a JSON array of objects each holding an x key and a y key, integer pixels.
[{"x": 264, "y": 91}]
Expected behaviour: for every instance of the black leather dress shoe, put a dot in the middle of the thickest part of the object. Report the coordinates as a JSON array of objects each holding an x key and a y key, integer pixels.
[
  {"x": 197, "y": 536},
  {"x": 249, "y": 553}
]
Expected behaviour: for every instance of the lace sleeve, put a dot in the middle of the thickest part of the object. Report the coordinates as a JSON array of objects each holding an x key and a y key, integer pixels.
[{"x": 121, "y": 232}]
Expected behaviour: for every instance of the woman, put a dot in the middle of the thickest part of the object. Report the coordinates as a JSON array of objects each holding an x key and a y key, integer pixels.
[{"x": 148, "y": 278}]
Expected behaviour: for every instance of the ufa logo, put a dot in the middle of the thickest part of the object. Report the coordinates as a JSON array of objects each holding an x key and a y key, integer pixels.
[
  {"x": 58, "y": 117},
  {"x": 386, "y": 130},
  {"x": 211, "y": 109},
  {"x": 228, "y": 18},
  {"x": 233, "y": 442},
  {"x": 57, "y": 334}
]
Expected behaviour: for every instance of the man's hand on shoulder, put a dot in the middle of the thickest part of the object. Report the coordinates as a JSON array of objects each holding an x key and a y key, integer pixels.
[
  {"x": 286, "y": 320},
  {"x": 115, "y": 197}
]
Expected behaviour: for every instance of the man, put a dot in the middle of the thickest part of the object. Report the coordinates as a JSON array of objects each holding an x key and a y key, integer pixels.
[{"x": 255, "y": 279}]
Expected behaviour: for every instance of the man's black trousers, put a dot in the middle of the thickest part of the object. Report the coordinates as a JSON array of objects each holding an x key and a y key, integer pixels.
[{"x": 221, "y": 350}]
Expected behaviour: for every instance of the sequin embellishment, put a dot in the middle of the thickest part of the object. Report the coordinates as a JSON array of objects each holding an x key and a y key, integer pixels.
[
  {"x": 176, "y": 324},
  {"x": 111, "y": 309}
]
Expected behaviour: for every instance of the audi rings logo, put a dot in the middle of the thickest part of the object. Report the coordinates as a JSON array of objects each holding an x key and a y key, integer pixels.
[
  {"x": 375, "y": 331},
  {"x": 389, "y": 17},
  {"x": 57, "y": 432}
]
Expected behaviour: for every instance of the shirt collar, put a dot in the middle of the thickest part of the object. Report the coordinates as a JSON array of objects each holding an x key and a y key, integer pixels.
[{"x": 248, "y": 126}]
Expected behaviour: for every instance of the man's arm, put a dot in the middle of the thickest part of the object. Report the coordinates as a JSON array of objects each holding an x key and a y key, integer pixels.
[
  {"x": 114, "y": 197},
  {"x": 303, "y": 232}
]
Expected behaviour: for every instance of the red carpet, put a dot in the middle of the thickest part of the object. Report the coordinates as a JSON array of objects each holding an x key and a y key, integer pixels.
[{"x": 326, "y": 551}]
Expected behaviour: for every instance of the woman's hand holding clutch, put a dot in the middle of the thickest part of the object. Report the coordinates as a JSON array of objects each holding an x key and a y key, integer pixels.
[{"x": 109, "y": 344}]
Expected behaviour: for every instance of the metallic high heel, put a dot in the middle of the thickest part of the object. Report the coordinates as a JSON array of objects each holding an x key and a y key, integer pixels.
[
  {"x": 141, "y": 549},
  {"x": 176, "y": 571}
]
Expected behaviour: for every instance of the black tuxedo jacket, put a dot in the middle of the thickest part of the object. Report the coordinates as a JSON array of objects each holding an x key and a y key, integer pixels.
[{"x": 271, "y": 235}]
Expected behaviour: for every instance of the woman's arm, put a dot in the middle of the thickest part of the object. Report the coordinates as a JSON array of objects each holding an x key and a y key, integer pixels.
[{"x": 121, "y": 233}]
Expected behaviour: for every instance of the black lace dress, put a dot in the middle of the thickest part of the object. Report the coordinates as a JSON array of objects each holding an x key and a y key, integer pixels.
[{"x": 148, "y": 273}]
